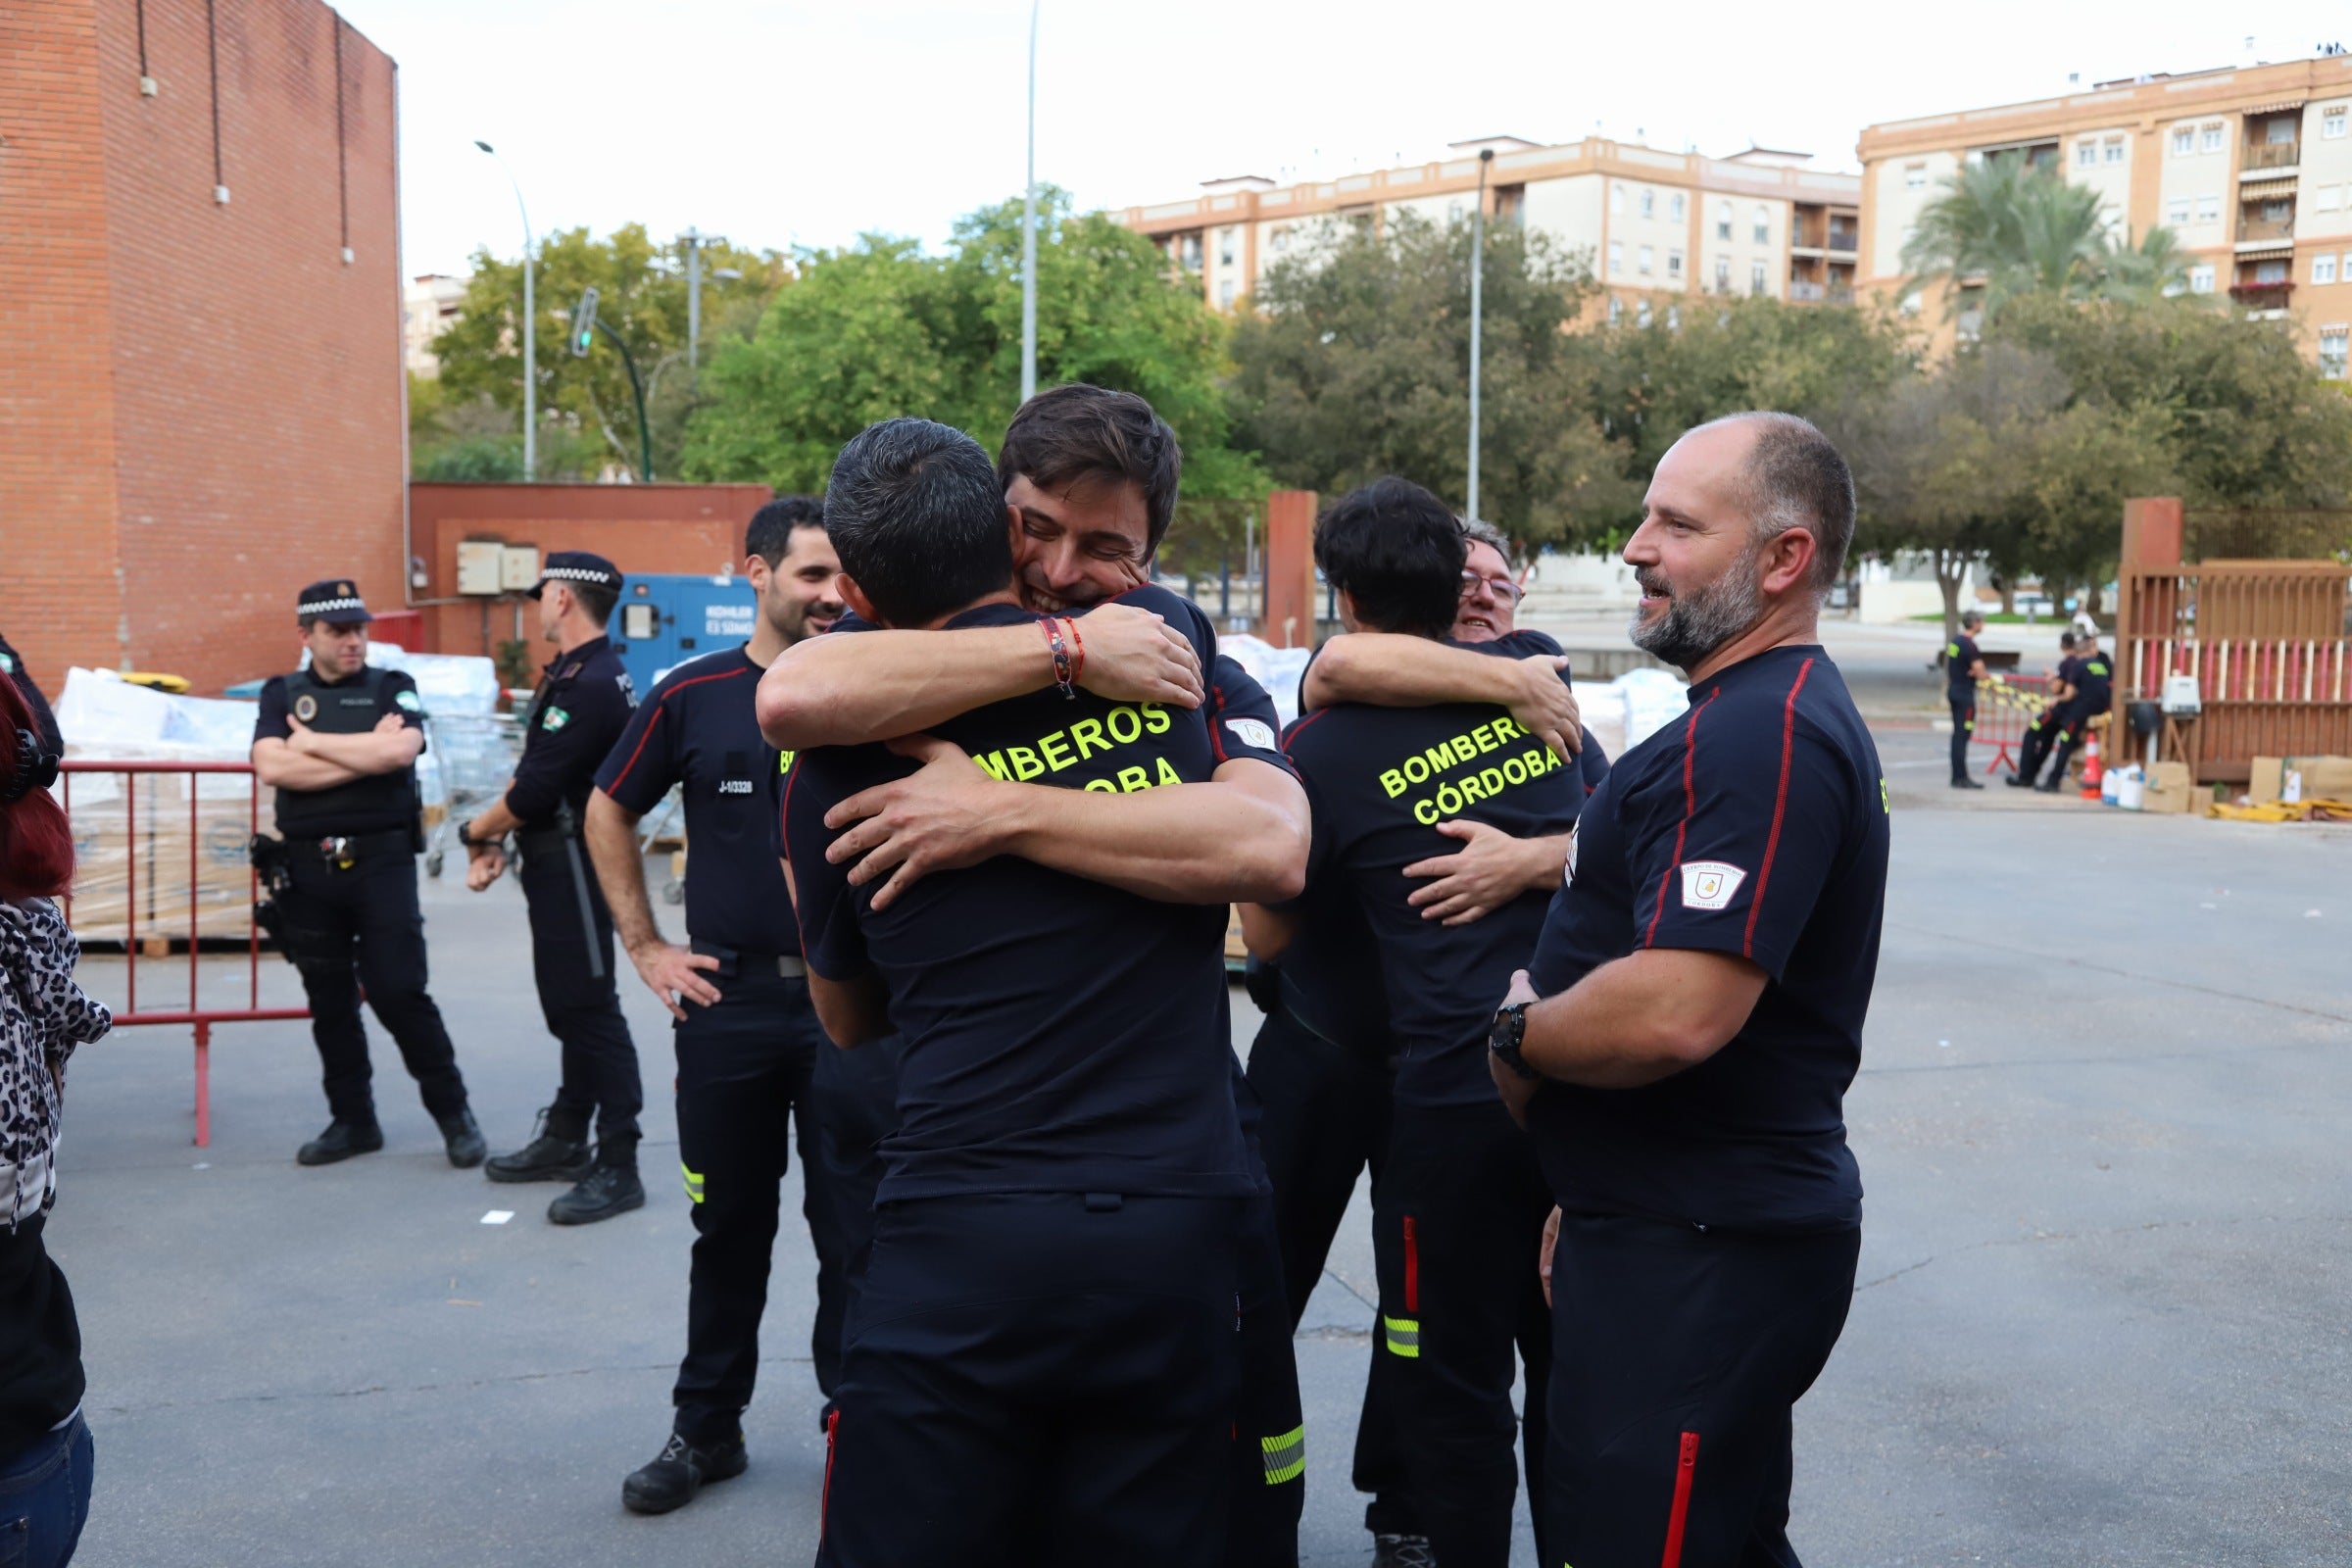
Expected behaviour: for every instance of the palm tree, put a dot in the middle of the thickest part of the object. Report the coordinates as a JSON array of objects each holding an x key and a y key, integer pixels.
[
  {"x": 2155, "y": 268},
  {"x": 2013, "y": 227}
]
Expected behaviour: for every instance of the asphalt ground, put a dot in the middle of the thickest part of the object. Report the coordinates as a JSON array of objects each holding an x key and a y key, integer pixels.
[{"x": 2101, "y": 1315}]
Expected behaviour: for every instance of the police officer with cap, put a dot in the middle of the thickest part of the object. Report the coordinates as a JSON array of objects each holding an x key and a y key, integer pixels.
[
  {"x": 580, "y": 711},
  {"x": 339, "y": 742}
]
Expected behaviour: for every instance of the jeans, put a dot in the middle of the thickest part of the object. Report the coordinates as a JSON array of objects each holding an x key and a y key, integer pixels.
[{"x": 45, "y": 1498}]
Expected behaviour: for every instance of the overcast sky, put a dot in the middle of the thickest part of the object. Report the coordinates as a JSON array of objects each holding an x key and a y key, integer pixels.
[{"x": 780, "y": 125}]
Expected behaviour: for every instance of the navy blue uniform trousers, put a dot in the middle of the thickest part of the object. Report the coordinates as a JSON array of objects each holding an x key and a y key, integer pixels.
[
  {"x": 582, "y": 1011},
  {"x": 750, "y": 1066},
  {"x": 1038, "y": 1379}
]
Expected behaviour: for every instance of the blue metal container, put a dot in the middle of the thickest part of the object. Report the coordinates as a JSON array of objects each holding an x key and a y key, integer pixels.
[{"x": 665, "y": 619}]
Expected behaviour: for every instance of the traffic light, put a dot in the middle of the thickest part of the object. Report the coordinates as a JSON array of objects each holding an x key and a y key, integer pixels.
[{"x": 583, "y": 323}]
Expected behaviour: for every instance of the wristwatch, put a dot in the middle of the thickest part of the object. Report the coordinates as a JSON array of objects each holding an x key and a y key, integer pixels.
[
  {"x": 1510, "y": 1027},
  {"x": 465, "y": 836}
]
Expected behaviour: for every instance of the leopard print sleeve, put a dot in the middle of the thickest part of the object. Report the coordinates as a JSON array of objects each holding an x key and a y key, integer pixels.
[{"x": 43, "y": 1016}]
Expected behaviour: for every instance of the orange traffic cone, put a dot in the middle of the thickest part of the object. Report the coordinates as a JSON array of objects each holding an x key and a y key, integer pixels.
[{"x": 2093, "y": 772}]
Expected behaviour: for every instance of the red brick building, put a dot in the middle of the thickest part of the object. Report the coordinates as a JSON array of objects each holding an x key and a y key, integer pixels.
[{"x": 201, "y": 394}]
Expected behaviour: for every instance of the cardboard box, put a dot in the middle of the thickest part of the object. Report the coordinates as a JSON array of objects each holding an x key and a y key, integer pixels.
[
  {"x": 135, "y": 869},
  {"x": 2170, "y": 788},
  {"x": 2303, "y": 778}
]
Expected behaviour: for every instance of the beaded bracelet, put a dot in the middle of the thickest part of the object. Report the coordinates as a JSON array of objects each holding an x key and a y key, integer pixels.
[
  {"x": 1078, "y": 670},
  {"x": 1063, "y": 675}
]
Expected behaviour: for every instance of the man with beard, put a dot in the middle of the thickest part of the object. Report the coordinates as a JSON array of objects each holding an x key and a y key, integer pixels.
[
  {"x": 1090, "y": 477},
  {"x": 752, "y": 1058},
  {"x": 1321, "y": 1065},
  {"x": 1045, "y": 1341},
  {"x": 1459, "y": 1211},
  {"x": 1703, "y": 980}
]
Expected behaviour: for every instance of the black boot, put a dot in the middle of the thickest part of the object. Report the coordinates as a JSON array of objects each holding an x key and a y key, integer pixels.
[
  {"x": 679, "y": 1472},
  {"x": 556, "y": 1153},
  {"x": 1964, "y": 782},
  {"x": 610, "y": 1188},
  {"x": 341, "y": 1139},
  {"x": 463, "y": 1136}
]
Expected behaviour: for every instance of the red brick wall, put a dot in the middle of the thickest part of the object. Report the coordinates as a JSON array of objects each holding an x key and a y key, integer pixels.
[
  {"x": 255, "y": 418},
  {"x": 59, "y": 597}
]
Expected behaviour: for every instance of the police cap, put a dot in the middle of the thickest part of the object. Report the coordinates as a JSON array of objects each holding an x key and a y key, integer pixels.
[
  {"x": 576, "y": 567},
  {"x": 336, "y": 601}
]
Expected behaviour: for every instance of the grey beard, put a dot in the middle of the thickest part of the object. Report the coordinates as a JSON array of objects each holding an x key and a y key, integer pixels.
[{"x": 1700, "y": 621}]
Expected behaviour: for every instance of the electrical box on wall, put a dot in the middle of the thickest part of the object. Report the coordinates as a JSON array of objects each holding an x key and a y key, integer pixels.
[
  {"x": 481, "y": 566},
  {"x": 518, "y": 569}
]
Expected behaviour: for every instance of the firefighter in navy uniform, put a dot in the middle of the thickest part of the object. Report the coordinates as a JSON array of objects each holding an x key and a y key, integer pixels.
[
  {"x": 2042, "y": 733},
  {"x": 752, "y": 1062},
  {"x": 2094, "y": 689},
  {"x": 580, "y": 711},
  {"x": 338, "y": 742},
  {"x": 1963, "y": 667}
]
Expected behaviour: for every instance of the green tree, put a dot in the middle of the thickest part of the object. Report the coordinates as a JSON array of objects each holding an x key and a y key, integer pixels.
[
  {"x": 2018, "y": 229},
  {"x": 881, "y": 329},
  {"x": 1356, "y": 363},
  {"x": 642, "y": 295}
]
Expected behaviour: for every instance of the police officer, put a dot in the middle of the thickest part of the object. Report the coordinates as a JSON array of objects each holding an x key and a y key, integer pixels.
[
  {"x": 2042, "y": 732},
  {"x": 1462, "y": 1203},
  {"x": 1046, "y": 1334},
  {"x": 339, "y": 742},
  {"x": 1963, "y": 667},
  {"x": 582, "y": 707},
  {"x": 1703, "y": 979},
  {"x": 2094, "y": 689},
  {"x": 752, "y": 1062}
]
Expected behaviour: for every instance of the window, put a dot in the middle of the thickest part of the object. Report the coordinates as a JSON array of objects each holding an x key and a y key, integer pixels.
[
  {"x": 1641, "y": 314},
  {"x": 2087, "y": 153},
  {"x": 1650, "y": 202},
  {"x": 1225, "y": 293},
  {"x": 1915, "y": 176},
  {"x": 2270, "y": 272},
  {"x": 1616, "y": 201},
  {"x": 2334, "y": 341},
  {"x": 1225, "y": 247},
  {"x": 2113, "y": 149},
  {"x": 2280, "y": 132},
  {"x": 1189, "y": 252},
  {"x": 1453, "y": 212},
  {"x": 1723, "y": 276},
  {"x": 1616, "y": 256},
  {"x": 1281, "y": 239},
  {"x": 1649, "y": 259},
  {"x": 2278, "y": 212},
  {"x": 2185, "y": 141},
  {"x": 1616, "y": 309},
  {"x": 1674, "y": 318},
  {"x": 1723, "y": 219},
  {"x": 2328, "y": 198},
  {"x": 2209, "y": 209},
  {"x": 2323, "y": 269},
  {"x": 1763, "y": 225},
  {"x": 2210, "y": 140},
  {"x": 1674, "y": 264},
  {"x": 2332, "y": 123},
  {"x": 2176, "y": 211},
  {"x": 2200, "y": 279},
  {"x": 1755, "y": 277},
  {"x": 1674, "y": 207},
  {"x": 1910, "y": 306}
]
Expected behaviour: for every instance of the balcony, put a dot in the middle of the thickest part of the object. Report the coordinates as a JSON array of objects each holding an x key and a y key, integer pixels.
[
  {"x": 2262, "y": 296},
  {"x": 2265, "y": 230},
  {"x": 1807, "y": 293},
  {"x": 2274, "y": 156},
  {"x": 1845, "y": 238}
]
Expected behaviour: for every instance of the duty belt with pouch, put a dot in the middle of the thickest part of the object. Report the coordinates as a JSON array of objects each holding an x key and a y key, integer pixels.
[
  {"x": 562, "y": 840},
  {"x": 273, "y": 877},
  {"x": 733, "y": 962},
  {"x": 342, "y": 852}
]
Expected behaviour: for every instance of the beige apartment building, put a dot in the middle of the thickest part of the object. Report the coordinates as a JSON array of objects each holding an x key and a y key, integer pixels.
[
  {"x": 2251, "y": 168},
  {"x": 1656, "y": 225}
]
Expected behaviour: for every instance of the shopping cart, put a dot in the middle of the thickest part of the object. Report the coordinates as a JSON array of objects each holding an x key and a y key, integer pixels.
[{"x": 467, "y": 760}]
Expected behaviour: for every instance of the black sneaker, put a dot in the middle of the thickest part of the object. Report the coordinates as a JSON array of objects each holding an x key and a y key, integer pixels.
[
  {"x": 2051, "y": 787},
  {"x": 1966, "y": 784},
  {"x": 341, "y": 1139},
  {"x": 2019, "y": 781},
  {"x": 1401, "y": 1551},
  {"x": 545, "y": 1158},
  {"x": 606, "y": 1191},
  {"x": 679, "y": 1472},
  {"x": 463, "y": 1137}
]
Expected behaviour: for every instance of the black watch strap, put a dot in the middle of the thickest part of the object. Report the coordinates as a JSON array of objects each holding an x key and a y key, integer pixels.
[{"x": 1504, "y": 1041}]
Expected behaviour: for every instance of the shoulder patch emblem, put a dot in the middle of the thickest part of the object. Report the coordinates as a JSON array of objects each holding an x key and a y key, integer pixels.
[
  {"x": 306, "y": 707},
  {"x": 407, "y": 701},
  {"x": 1250, "y": 732},
  {"x": 628, "y": 687},
  {"x": 554, "y": 718},
  {"x": 1710, "y": 884}
]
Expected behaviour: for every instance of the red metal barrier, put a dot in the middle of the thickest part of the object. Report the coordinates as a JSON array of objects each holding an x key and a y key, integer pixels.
[
  {"x": 194, "y": 1013},
  {"x": 2006, "y": 706}
]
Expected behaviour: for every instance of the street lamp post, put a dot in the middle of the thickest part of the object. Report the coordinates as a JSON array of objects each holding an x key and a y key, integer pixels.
[
  {"x": 1478, "y": 311},
  {"x": 530, "y": 327},
  {"x": 694, "y": 298},
  {"x": 1029, "y": 232}
]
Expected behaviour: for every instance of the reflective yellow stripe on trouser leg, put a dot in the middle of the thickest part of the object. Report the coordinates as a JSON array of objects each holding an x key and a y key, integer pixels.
[
  {"x": 1286, "y": 1455},
  {"x": 1403, "y": 1334},
  {"x": 693, "y": 1182}
]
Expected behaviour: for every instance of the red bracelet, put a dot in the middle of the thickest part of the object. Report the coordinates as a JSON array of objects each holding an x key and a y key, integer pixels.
[
  {"x": 1078, "y": 667},
  {"x": 1062, "y": 674}
]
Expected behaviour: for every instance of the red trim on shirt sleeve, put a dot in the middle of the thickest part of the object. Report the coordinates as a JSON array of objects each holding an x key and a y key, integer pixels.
[
  {"x": 662, "y": 707},
  {"x": 1217, "y": 707},
  {"x": 1780, "y": 808},
  {"x": 1682, "y": 829},
  {"x": 1300, "y": 728}
]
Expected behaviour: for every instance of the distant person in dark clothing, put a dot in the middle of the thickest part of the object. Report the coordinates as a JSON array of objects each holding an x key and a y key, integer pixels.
[
  {"x": 45, "y": 1449},
  {"x": 1963, "y": 667}
]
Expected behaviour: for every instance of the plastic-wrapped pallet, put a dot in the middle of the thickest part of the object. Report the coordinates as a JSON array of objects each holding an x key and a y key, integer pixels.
[{"x": 1277, "y": 669}]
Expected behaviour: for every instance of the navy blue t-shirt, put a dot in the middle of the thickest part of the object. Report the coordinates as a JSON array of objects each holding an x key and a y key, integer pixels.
[
  {"x": 1757, "y": 827},
  {"x": 1960, "y": 656},
  {"x": 1379, "y": 781},
  {"x": 700, "y": 726},
  {"x": 1060, "y": 1035},
  {"x": 2094, "y": 682},
  {"x": 577, "y": 713}
]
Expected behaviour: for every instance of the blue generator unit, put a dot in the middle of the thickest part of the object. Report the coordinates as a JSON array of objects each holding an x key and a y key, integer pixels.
[{"x": 665, "y": 619}]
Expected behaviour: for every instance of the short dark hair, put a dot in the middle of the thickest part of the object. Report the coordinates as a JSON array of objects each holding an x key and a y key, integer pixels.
[
  {"x": 768, "y": 535},
  {"x": 1796, "y": 479},
  {"x": 1398, "y": 552},
  {"x": 919, "y": 518},
  {"x": 596, "y": 599},
  {"x": 1069, "y": 434},
  {"x": 2066, "y": 639}
]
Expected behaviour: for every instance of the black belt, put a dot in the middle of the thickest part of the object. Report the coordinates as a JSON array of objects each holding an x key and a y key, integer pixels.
[
  {"x": 753, "y": 959},
  {"x": 542, "y": 840},
  {"x": 335, "y": 846}
]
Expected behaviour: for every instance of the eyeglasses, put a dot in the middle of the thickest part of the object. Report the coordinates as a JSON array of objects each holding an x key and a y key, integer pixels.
[{"x": 1503, "y": 589}]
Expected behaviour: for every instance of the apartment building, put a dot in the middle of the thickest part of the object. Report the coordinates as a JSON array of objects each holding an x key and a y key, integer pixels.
[
  {"x": 429, "y": 305},
  {"x": 2251, "y": 168},
  {"x": 1655, "y": 226}
]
